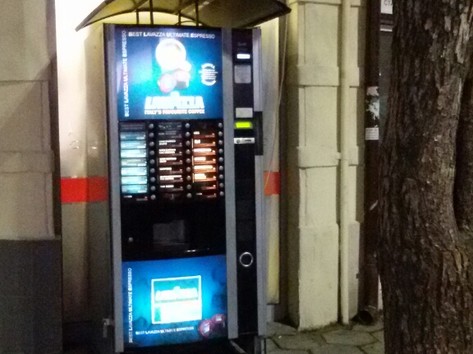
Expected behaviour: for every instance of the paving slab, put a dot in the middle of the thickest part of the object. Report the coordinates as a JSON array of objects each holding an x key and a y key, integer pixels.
[
  {"x": 330, "y": 328},
  {"x": 348, "y": 337},
  {"x": 279, "y": 329},
  {"x": 82, "y": 350},
  {"x": 379, "y": 325},
  {"x": 270, "y": 345},
  {"x": 299, "y": 341},
  {"x": 283, "y": 351},
  {"x": 335, "y": 349},
  {"x": 317, "y": 336},
  {"x": 375, "y": 348},
  {"x": 379, "y": 335}
]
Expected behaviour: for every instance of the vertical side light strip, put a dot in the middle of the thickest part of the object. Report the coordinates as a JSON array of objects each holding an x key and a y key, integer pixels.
[
  {"x": 113, "y": 150},
  {"x": 230, "y": 211},
  {"x": 261, "y": 247},
  {"x": 272, "y": 183},
  {"x": 257, "y": 80}
]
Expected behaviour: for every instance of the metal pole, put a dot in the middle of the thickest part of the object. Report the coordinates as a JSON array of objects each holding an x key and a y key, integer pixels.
[
  {"x": 369, "y": 287},
  {"x": 344, "y": 164},
  {"x": 137, "y": 16},
  {"x": 179, "y": 14},
  {"x": 151, "y": 12},
  {"x": 196, "y": 2}
]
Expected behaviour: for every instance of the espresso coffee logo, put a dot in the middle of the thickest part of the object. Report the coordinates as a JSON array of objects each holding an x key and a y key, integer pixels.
[{"x": 175, "y": 300}]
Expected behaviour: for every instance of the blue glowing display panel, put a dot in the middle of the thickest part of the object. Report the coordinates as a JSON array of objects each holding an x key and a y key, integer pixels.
[
  {"x": 174, "y": 301},
  {"x": 168, "y": 72}
]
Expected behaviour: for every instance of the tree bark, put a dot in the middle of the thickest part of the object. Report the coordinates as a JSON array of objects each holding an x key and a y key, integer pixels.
[{"x": 426, "y": 198}]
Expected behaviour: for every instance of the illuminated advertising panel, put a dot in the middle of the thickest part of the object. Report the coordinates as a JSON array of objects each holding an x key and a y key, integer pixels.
[
  {"x": 168, "y": 72},
  {"x": 174, "y": 301}
]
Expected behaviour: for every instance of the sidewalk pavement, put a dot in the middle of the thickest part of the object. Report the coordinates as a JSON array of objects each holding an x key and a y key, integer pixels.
[{"x": 336, "y": 339}]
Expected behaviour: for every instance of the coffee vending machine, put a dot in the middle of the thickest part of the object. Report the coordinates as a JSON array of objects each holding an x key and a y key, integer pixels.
[{"x": 185, "y": 164}]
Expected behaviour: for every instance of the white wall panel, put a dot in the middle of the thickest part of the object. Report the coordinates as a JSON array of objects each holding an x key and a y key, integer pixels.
[
  {"x": 319, "y": 285},
  {"x": 321, "y": 34},
  {"x": 320, "y": 121},
  {"x": 25, "y": 214},
  {"x": 24, "y": 40},
  {"x": 21, "y": 116},
  {"x": 75, "y": 272},
  {"x": 321, "y": 198},
  {"x": 25, "y": 142},
  {"x": 313, "y": 106}
]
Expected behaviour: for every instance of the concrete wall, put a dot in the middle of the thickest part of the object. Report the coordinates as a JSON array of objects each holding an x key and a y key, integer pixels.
[
  {"x": 30, "y": 252},
  {"x": 313, "y": 158}
]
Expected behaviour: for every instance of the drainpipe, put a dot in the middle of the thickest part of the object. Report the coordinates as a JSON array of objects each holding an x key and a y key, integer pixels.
[
  {"x": 369, "y": 275},
  {"x": 151, "y": 12},
  {"x": 344, "y": 161}
]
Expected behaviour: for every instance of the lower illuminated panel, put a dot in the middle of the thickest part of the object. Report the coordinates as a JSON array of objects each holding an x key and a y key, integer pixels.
[{"x": 174, "y": 301}]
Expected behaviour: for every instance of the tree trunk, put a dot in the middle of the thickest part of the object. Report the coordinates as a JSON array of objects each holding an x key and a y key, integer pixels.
[{"x": 426, "y": 181}]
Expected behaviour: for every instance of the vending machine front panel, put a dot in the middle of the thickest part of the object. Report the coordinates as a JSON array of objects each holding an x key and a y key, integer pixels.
[
  {"x": 168, "y": 175},
  {"x": 174, "y": 301},
  {"x": 168, "y": 72},
  {"x": 183, "y": 121}
]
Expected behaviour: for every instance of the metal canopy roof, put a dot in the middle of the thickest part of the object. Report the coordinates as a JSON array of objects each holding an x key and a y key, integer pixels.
[{"x": 213, "y": 13}]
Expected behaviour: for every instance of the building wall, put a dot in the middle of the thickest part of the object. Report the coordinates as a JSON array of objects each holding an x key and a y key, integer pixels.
[
  {"x": 314, "y": 155},
  {"x": 30, "y": 252}
]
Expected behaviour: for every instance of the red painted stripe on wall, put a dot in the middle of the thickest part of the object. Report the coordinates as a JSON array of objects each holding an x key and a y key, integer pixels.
[
  {"x": 85, "y": 189},
  {"x": 95, "y": 189},
  {"x": 272, "y": 183}
]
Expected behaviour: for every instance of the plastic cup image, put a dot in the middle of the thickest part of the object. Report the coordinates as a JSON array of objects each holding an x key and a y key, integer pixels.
[
  {"x": 219, "y": 320},
  {"x": 205, "y": 328},
  {"x": 182, "y": 78},
  {"x": 170, "y": 53},
  {"x": 167, "y": 83}
]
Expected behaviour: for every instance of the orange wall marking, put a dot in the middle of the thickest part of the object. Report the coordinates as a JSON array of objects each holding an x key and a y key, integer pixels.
[
  {"x": 84, "y": 189},
  {"x": 272, "y": 183},
  {"x": 95, "y": 189}
]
